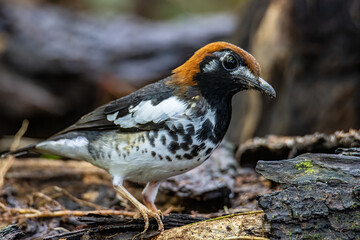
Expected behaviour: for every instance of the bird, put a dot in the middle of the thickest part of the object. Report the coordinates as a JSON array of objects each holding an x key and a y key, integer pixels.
[{"x": 163, "y": 129}]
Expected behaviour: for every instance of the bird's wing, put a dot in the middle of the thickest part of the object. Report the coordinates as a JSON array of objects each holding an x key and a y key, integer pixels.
[{"x": 146, "y": 109}]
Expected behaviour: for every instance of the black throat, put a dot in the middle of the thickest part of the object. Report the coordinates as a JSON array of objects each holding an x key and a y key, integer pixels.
[
  {"x": 223, "y": 117},
  {"x": 217, "y": 88},
  {"x": 219, "y": 103}
]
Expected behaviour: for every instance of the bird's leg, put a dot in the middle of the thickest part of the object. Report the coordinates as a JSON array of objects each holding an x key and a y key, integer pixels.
[
  {"x": 149, "y": 194},
  {"x": 144, "y": 211},
  {"x": 123, "y": 201}
]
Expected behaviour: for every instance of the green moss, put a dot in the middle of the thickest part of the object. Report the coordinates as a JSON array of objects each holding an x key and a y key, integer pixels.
[
  {"x": 355, "y": 206},
  {"x": 355, "y": 227},
  {"x": 316, "y": 236},
  {"x": 305, "y": 165}
]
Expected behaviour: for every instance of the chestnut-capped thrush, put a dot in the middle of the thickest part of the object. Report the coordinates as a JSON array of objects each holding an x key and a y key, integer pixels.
[{"x": 165, "y": 128}]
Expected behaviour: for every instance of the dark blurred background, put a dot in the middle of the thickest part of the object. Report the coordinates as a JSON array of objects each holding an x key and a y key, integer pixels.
[{"x": 60, "y": 59}]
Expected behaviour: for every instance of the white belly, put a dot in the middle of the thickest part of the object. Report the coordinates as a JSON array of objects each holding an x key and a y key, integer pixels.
[
  {"x": 141, "y": 161},
  {"x": 139, "y": 157}
]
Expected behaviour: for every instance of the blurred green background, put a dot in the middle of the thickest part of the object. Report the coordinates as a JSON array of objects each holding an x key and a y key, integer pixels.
[{"x": 152, "y": 9}]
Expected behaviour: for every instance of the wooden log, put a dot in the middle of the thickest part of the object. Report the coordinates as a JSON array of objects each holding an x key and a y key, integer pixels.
[
  {"x": 248, "y": 225},
  {"x": 178, "y": 226},
  {"x": 119, "y": 228},
  {"x": 281, "y": 147},
  {"x": 11, "y": 232},
  {"x": 320, "y": 197}
]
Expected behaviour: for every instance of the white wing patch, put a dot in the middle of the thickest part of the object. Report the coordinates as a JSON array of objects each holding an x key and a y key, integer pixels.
[
  {"x": 112, "y": 117},
  {"x": 145, "y": 112}
]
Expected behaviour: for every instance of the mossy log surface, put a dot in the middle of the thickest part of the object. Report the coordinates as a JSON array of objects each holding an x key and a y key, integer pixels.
[{"x": 320, "y": 197}]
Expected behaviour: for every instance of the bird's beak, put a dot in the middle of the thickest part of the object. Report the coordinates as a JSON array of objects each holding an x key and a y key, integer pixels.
[
  {"x": 259, "y": 84},
  {"x": 263, "y": 86}
]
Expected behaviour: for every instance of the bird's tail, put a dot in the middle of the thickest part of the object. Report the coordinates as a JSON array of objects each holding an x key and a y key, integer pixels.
[{"x": 20, "y": 151}]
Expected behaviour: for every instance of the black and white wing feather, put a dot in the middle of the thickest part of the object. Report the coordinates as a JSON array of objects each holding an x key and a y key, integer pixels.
[{"x": 146, "y": 109}]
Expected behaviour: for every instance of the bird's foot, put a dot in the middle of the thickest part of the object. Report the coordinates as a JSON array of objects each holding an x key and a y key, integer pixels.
[{"x": 147, "y": 213}]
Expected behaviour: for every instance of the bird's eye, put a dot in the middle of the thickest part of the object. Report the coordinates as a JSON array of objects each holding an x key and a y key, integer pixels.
[{"x": 230, "y": 62}]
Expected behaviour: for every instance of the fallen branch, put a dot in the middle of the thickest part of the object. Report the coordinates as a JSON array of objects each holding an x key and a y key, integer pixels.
[
  {"x": 233, "y": 226},
  {"x": 33, "y": 213},
  {"x": 48, "y": 199},
  {"x": 77, "y": 200}
]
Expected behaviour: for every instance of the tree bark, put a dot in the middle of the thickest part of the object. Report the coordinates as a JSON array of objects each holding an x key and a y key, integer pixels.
[{"x": 320, "y": 197}]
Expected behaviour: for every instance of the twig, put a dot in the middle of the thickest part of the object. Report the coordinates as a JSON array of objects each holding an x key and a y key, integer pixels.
[
  {"x": 77, "y": 200},
  {"x": 19, "y": 135},
  {"x": 3, "y": 206},
  {"x": 231, "y": 226},
  {"x": 172, "y": 209},
  {"x": 32, "y": 213},
  {"x": 48, "y": 199},
  {"x": 9, "y": 160}
]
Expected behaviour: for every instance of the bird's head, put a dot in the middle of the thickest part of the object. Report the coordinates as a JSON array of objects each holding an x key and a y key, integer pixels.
[{"x": 221, "y": 68}]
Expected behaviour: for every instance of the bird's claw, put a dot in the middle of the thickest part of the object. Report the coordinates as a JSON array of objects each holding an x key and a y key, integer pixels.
[
  {"x": 160, "y": 214},
  {"x": 146, "y": 214}
]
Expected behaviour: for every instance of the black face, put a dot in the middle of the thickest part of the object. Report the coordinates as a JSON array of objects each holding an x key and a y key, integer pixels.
[{"x": 216, "y": 73}]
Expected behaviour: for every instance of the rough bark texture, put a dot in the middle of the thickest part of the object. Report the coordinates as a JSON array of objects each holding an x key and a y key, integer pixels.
[
  {"x": 11, "y": 232},
  {"x": 320, "y": 197},
  {"x": 109, "y": 227},
  {"x": 99, "y": 227}
]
